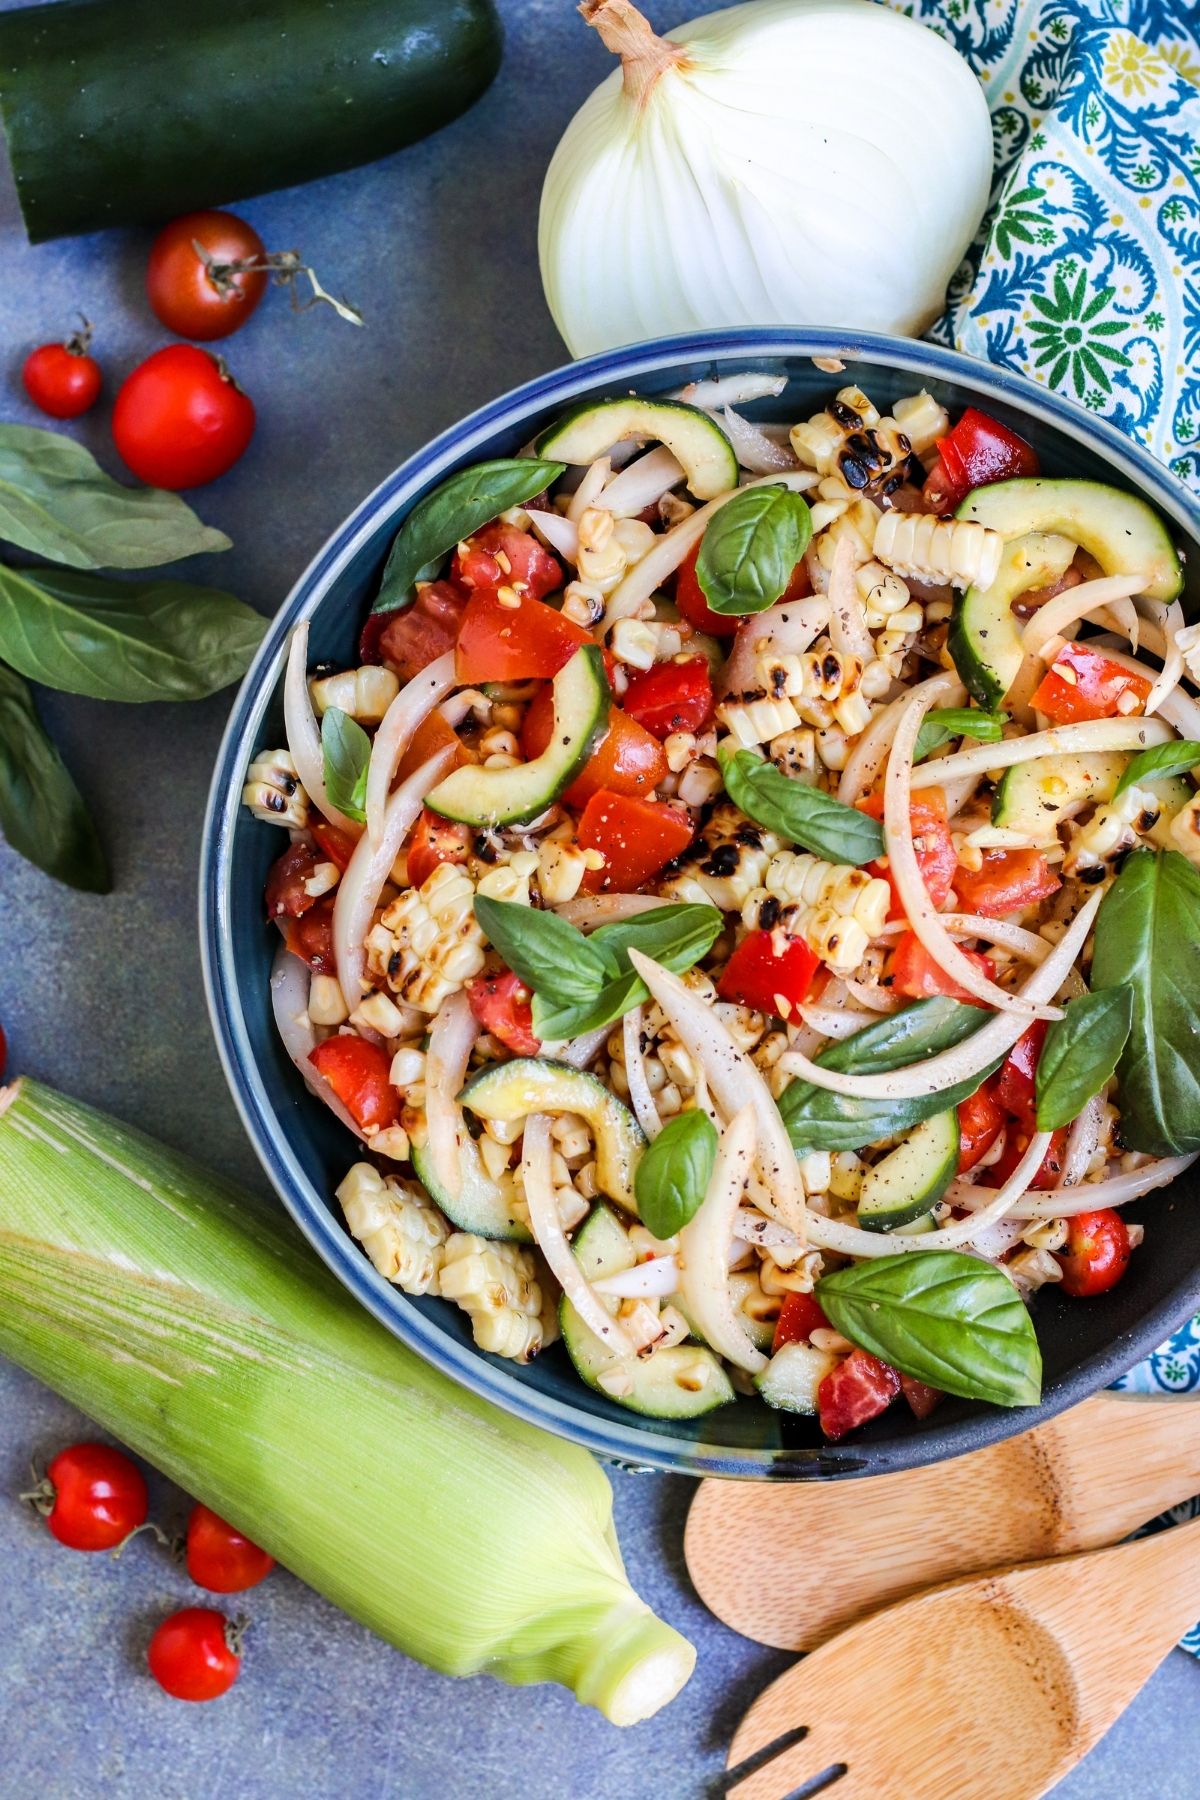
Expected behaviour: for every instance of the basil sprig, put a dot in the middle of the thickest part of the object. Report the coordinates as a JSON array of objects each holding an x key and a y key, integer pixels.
[
  {"x": 818, "y": 1119},
  {"x": 346, "y": 754},
  {"x": 1080, "y": 1053},
  {"x": 42, "y": 813},
  {"x": 56, "y": 501},
  {"x": 750, "y": 549},
  {"x": 674, "y": 1172},
  {"x": 804, "y": 815},
  {"x": 944, "y": 1318},
  {"x": 581, "y": 983},
  {"x": 1147, "y": 931},
  {"x": 1164, "y": 759},
  {"x": 946, "y": 722},
  {"x": 455, "y": 509}
]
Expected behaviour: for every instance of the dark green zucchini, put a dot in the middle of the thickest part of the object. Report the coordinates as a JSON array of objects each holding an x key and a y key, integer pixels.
[{"x": 121, "y": 112}]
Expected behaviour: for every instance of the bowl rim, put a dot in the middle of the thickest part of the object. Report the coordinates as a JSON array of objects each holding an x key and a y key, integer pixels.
[{"x": 634, "y": 1444}]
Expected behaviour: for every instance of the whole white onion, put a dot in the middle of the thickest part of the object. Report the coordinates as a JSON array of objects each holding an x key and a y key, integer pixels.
[{"x": 781, "y": 162}]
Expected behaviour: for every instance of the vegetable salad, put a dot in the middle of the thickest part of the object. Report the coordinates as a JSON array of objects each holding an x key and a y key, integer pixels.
[{"x": 743, "y": 899}]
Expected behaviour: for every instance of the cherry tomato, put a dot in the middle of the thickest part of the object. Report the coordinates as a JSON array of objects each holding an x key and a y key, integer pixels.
[
  {"x": 1016, "y": 1084},
  {"x": 359, "y": 1073},
  {"x": 637, "y": 838},
  {"x": 979, "y": 449},
  {"x": 1007, "y": 882},
  {"x": 180, "y": 418},
  {"x": 93, "y": 1497},
  {"x": 220, "y": 1558},
  {"x": 980, "y": 1122},
  {"x": 916, "y": 975},
  {"x": 432, "y": 734},
  {"x": 1084, "y": 684},
  {"x": 310, "y": 937},
  {"x": 627, "y": 760},
  {"x": 499, "y": 641},
  {"x": 766, "y": 977},
  {"x": 410, "y": 639},
  {"x": 195, "y": 1654},
  {"x": 211, "y": 291},
  {"x": 1015, "y": 1146},
  {"x": 435, "y": 840},
  {"x": 920, "y": 1396},
  {"x": 286, "y": 895},
  {"x": 689, "y": 598},
  {"x": 531, "y": 568},
  {"x": 860, "y": 1388},
  {"x": 336, "y": 846},
  {"x": 799, "y": 1316},
  {"x": 937, "y": 858},
  {"x": 671, "y": 696},
  {"x": 501, "y": 1004},
  {"x": 1097, "y": 1253},
  {"x": 63, "y": 380}
]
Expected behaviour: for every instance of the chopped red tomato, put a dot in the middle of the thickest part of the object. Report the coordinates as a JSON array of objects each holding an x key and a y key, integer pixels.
[
  {"x": 770, "y": 976},
  {"x": 799, "y": 1316},
  {"x": 1097, "y": 1253},
  {"x": 499, "y": 641},
  {"x": 337, "y": 846},
  {"x": 671, "y": 696},
  {"x": 1008, "y": 881},
  {"x": 636, "y": 838},
  {"x": 358, "y": 1071},
  {"x": 689, "y": 598},
  {"x": 627, "y": 760},
  {"x": 530, "y": 567},
  {"x": 409, "y": 640},
  {"x": 1016, "y": 1084},
  {"x": 980, "y": 1121},
  {"x": 432, "y": 734},
  {"x": 936, "y": 856},
  {"x": 311, "y": 937},
  {"x": 1015, "y": 1146},
  {"x": 920, "y": 1396},
  {"x": 979, "y": 449},
  {"x": 435, "y": 840},
  {"x": 286, "y": 895},
  {"x": 1084, "y": 684},
  {"x": 501, "y": 1003},
  {"x": 915, "y": 974},
  {"x": 860, "y": 1388}
]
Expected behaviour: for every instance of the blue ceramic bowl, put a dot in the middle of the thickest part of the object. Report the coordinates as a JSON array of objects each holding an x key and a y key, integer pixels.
[{"x": 305, "y": 1152}]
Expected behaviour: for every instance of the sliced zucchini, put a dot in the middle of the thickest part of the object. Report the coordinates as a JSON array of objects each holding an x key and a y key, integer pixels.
[
  {"x": 1035, "y": 797},
  {"x": 536, "y": 1084},
  {"x": 681, "y": 1382},
  {"x": 701, "y": 448},
  {"x": 480, "y": 1205},
  {"x": 792, "y": 1377},
  {"x": 912, "y": 1178},
  {"x": 1123, "y": 533},
  {"x": 743, "y": 1286},
  {"x": 483, "y": 797},
  {"x": 985, "y": 640}
]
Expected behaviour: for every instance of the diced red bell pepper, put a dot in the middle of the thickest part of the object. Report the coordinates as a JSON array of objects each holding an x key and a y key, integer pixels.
[
  {"x": 627, "y": 760},
  {"x": 768, "y": 973},
  {"x": 1016, "y": 1084},
  {"x": 1007, "y": 882},
  {"x": 432, "y": 734},
  {"x": 285, "y": 892},
  {"x": 799, "y": 1316},
  {"x": 937, "y": 858},
  {"x": 1015, "y": 1146},
  {"x": 860, "y": 1388},
  {"x": 980, "y": 1121},
  {"x": 311, "y": 937},
  {"x": 435, "y": 840},
  {"x": 671, "y": 696},
  {"x": 531, "y": 568},
  {"x": 409, "y": 640},
  {"x": 502, "y": 1005},
  {"x": 915, "y": 974},
  {"x": 976, "y": 451},
  {"x": 920, "y": 1396},
  {"x": 358, "y": 1072},
  {"x": 515, "y": 638},
  {"x": 1085, "y": 684},
  {"x": 637, "y": 839},
  {"x": 1096, "y": 1255},
  {"x": 337, "y": 846}
]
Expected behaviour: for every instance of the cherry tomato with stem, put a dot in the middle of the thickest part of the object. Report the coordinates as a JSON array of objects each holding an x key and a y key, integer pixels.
[
  {"x": 92, "y": 1498},
  {"x": 64, "y": 380},
  {"x": 221, "y": 1558},
  {"x": 206, "y": 274},
  {"x": 196, "y": 1654},
  {"x": 180, "y": 418}
]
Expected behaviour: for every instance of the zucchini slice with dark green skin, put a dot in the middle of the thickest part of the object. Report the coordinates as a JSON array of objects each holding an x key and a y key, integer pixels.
[
  {"x": 912, "y": 1178},
  {"x": 699, "y": 445},
  {"x": 1123, "y": 533},
  {"x": 530, "y": 1084},
  {"x": 984, "y": 639},
  {"x": 1035, "y": 797},
  {"x": 479, "y": 1204}
]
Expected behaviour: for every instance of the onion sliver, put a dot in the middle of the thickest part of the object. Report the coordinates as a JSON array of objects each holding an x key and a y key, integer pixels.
[
  {"x": 641, "y": 485},
  {"x": 734, "y": 1082},
  {"x": 1172, "y": 670},
  {"x": 451, "y": 1040},
  {"x": 368, "y": 869},
  {"x": 832, "y": 1021},
  {"x": 753, "y": 448},
  {"x": 1025, "y": 944},
  {"x": 640, "y": 1097},
  {"x": 561, "y": 533},
  {"x": 590, "y": 910},
  {"x": 303, "y": 733},
  {"x": 870, "y": 752},
  {"x": 1065, "y": 1203},
  {"x": 704, "y": 1248},
  {"x": 590, "y": 488},
  {"x": 413, "y": 704},
  {"x": 785, "y": 629},
  {"x": 848, "y": 622},
  {"x": 289, "y": 1003},
  {"x": 1082, "y": 1142},
  {"x": 551, "y": 1239},
  {"x": 1089, "y": 734},
  {"x": 580, "y": 1051},
  {"x": 730, "y": 390},
  {"x": 650, "y": 1280}
]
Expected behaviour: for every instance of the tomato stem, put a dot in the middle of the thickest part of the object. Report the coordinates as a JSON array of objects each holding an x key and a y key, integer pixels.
[
  {"x": 41, "y": 1496},
  {"x": 80, "y": 342},
  {"x": 149, "y": 1525},
  {"x": 284, "y": 266},
  {"x": 235, "y": 1632}
]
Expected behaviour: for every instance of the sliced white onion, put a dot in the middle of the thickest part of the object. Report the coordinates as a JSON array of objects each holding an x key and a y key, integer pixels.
[
  {"x": 412, "y": 705},
  {"x": 642, "y": 484},
  {"x": 650, "y": 1280},
  {"x": 873, "y": 997},
  {"x": 304, "y": 735},
  {"x": 640, "y": 1097},
  {"x": 1082, "y": 1142},
  {"x": 1065, "y": 1203},
  {"x": 753, "y": 448},
  {"x": 730, "y": 390},
  {"x": 551, "y": 1239},
  {"x": 848, "y": 621},
  {"x": 580, "y": 1051},
  {"x": 704, "y": 1248},
  {"x": 1089, "y": 734},
  {"x": 785, "y": 629},
  {"x": 590, "y": 488},
  {"x": 833, "y": 1021},
  {"x": 870, "y": 752},
  {"x": 451, "y": 1041},
  {"x": 755, "y": 1229},
  {"x": 591, "y": 910},
  {"x": 1172, "y": 670},
  {"x": 360, "y": 887},
  {"x": 734, "y": 1082},
  {"x": 1056, "y": 617},
  {"x": 289, "y": 1003},
  {"x": 996, "y": 1240},
  {"x": 555, "y": 529}
]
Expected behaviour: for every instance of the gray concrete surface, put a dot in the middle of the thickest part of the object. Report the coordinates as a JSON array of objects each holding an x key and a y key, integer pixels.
[{"x": 103, "y": 997}]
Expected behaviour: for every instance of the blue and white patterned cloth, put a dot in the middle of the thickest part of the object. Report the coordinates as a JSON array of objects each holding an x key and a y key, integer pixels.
[{"x": 1086, "y": 271}]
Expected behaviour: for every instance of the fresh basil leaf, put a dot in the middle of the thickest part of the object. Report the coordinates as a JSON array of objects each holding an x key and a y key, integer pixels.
[
  {"x": 750, "y": 549},
  {"x": 1080, "y": 1053},
  {"x": 1163, "y": 760},
  {"x": 461, "y": 505},
  {"x": 42, "y": 813},
  {"x": 946, "y": 722},
  {"x": 675, "y": 936},
  {"x": 1147, "y": 931},
  {"x": 804, "y": 815},
  {"x": 346, "y": 751},
  {"x": 674, "y": 1172},
  {"x": 552, "y": 958},
  {"x": 56, "y": 501},
  {"x": 912, "y": 1035},
  {"x": 942, "y": 1317},
  {"x": 118, "y": 640}
]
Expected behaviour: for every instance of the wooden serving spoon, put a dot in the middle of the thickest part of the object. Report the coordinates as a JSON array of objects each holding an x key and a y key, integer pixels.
[
  {"x": 789, "y": 1565},
  {"x": 985, "y": 1689}
]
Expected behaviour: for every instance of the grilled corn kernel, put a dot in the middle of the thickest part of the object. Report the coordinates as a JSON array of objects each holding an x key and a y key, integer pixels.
[
  {"x": 922, "y": 420},
  {"x": 835, "y": 908},
  {"x": 428, "y": 943},
  {"x": 583, "y": 602},
  {"x": 510, "y": 881},
  {"x": 1032, "y": 1269},
  {"x": 496, "y": 1285},
  {"x": 364, "y": 693},
  {"x": 560, "y": 872},
  {"x": 1185, "y": 830},
  {"x": 757, "y": 721},
  {"x": 634, "y": 642},
  {"x": 379, "y": 1013},
  {"x": 326, "y": 1002},
  {"x": 725, "y": 862},
  {"x": 700, "y": 782},
  {"x": 925, "y": 548},
  {"x": 408, "y": 1067},
  {"x": 403, "y": 1234},
  {"x": 273, "y": 791}
]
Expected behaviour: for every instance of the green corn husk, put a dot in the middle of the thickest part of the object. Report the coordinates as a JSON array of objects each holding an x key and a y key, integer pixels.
[{"x": 165, "y": 1304}]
